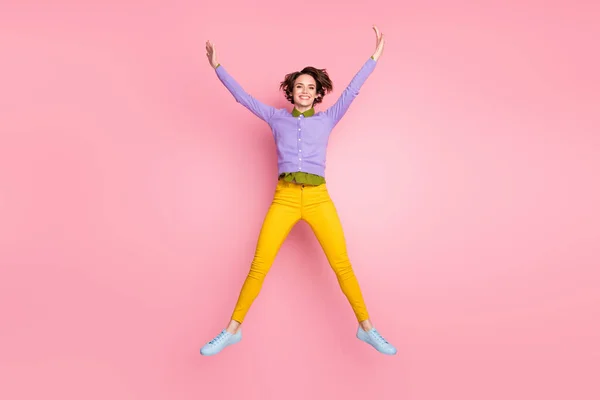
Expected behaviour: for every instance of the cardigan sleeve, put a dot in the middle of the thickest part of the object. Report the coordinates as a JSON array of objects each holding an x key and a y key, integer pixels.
[
  {"x": 339, "y": 108},
  {"x": 261, "y": 110}
]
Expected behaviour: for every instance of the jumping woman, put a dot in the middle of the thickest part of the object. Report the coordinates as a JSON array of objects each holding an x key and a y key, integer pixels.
[{"x": 301, "y": 138}]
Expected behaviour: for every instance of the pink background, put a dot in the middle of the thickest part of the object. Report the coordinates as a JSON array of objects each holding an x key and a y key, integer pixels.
[{"x": 133, "y": 187}]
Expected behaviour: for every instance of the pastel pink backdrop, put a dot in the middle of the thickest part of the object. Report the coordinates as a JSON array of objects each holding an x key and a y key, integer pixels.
[{"x": 133, "y": 187}]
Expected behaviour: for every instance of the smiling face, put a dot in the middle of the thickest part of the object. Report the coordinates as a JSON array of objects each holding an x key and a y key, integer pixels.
[{"x": 304, "y": 92}]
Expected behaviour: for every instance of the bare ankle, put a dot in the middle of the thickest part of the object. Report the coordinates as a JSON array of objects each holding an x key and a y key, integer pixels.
[
  {"x": 366, "y": 325},
  {"x": 233, "y": 327}
]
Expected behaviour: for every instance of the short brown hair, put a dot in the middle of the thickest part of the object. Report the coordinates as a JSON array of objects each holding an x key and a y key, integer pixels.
[{"x": 324, "y": 84}]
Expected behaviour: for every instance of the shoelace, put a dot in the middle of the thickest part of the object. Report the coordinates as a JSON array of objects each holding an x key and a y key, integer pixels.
[
  {"x": 378, "y": 337},
  {"x": 219, "y": 338}
]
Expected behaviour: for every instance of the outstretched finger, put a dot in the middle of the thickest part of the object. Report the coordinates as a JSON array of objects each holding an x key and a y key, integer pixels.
[{"x": 377, "y": 32}]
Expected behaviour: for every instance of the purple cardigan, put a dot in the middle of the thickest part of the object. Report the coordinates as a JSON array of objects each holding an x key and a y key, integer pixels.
[{"x": 301, "y": 142}]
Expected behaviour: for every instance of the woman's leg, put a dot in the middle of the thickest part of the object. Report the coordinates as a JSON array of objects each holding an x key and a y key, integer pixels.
[
  {"x": 282, "y": 215},
  {"x": 320, "y": 213}
]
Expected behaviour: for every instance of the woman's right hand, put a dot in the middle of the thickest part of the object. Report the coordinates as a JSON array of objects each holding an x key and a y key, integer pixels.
[{"x": 211, "y": 53}]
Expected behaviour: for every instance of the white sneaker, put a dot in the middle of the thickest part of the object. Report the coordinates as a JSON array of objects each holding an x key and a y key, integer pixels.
[
  {"x": 221, "y": 341},
  {"x": 373, "y": 338}
]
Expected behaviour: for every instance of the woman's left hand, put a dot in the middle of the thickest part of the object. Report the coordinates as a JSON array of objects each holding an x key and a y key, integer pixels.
[{"x": 379, "y": 44}]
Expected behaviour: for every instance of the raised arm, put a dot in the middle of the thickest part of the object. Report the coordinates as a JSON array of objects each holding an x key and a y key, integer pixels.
[
  {"x": 339, "y": 108},
  {"x": 259, "y": 109}
]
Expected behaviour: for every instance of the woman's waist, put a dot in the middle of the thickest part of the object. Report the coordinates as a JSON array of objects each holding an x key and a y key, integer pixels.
[{"x": 299, "y": 177}]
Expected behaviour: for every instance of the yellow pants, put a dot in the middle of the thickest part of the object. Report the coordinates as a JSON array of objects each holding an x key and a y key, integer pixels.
[{"x": 293, "y": 202}]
